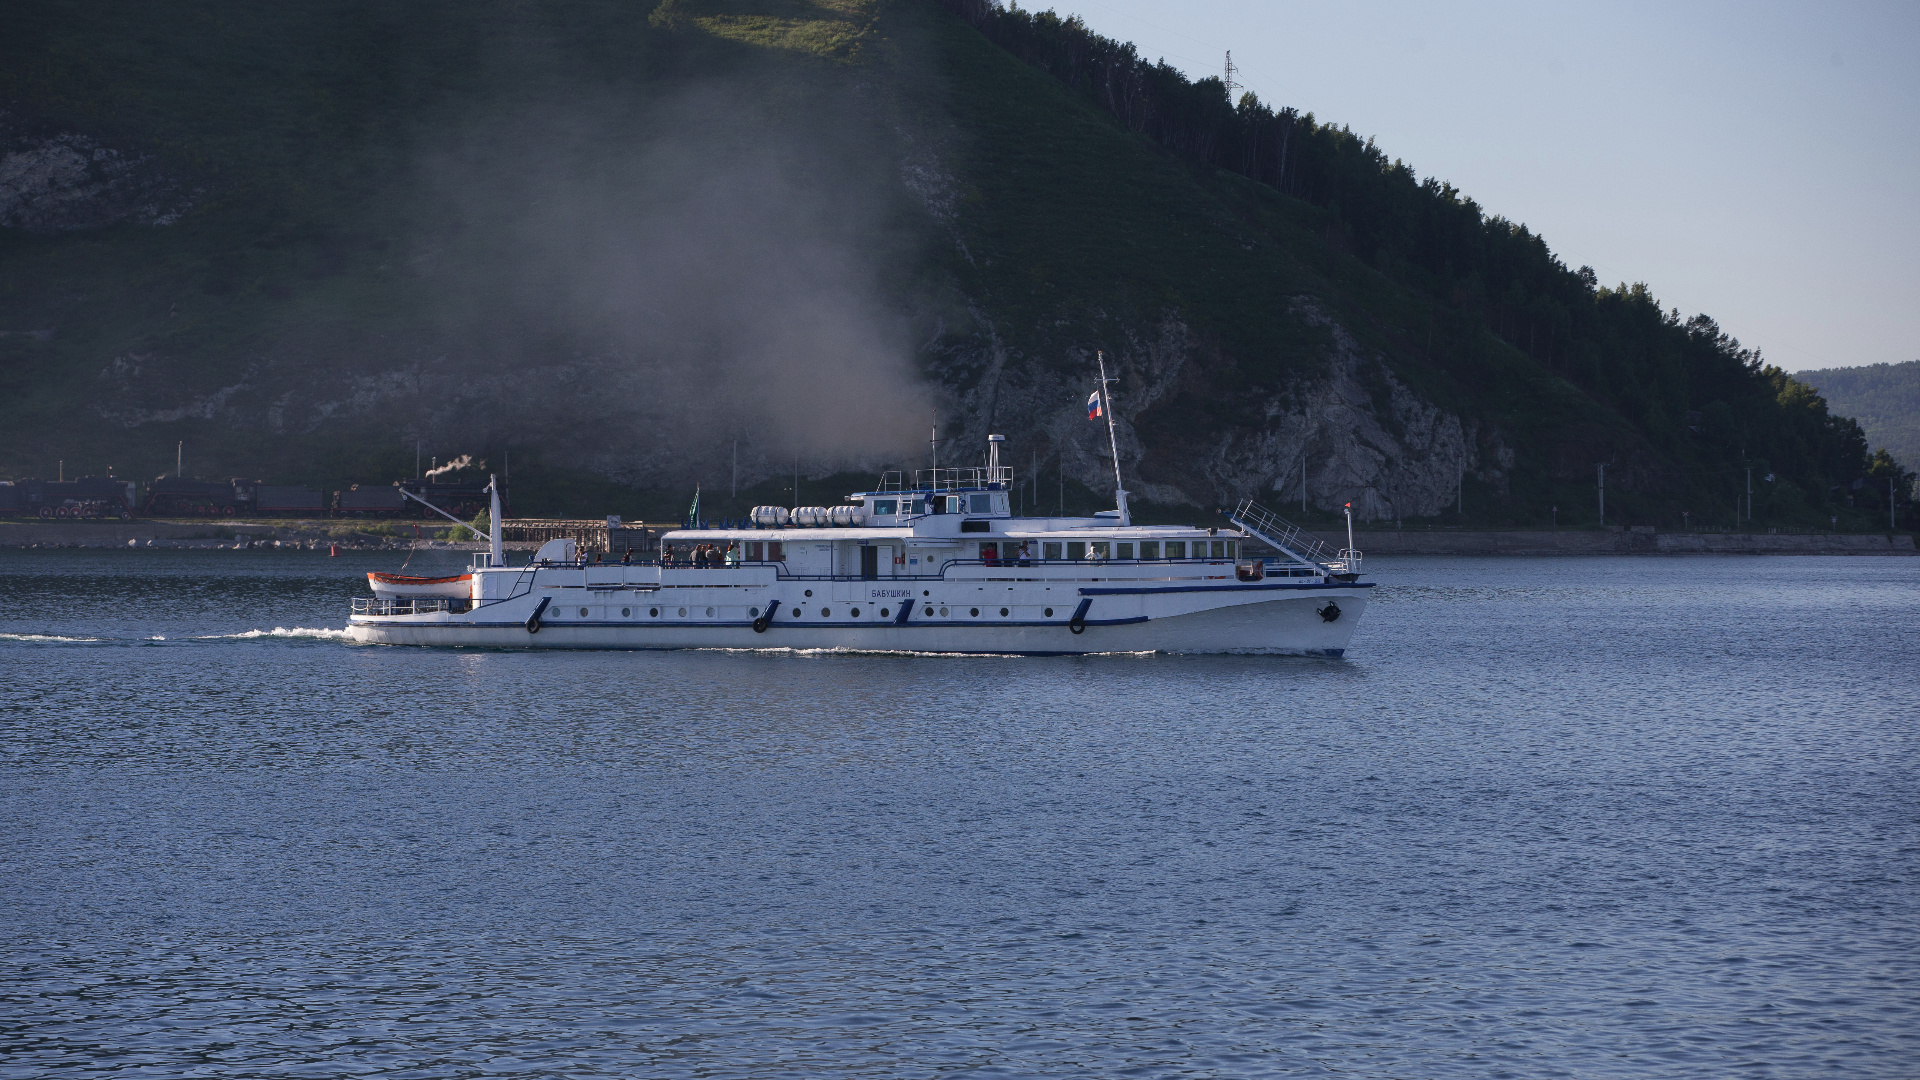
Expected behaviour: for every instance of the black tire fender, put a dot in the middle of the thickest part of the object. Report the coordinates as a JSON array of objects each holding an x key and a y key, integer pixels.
[
  {"x": 1331, "y": 612},
  {"x": 1078, "y": 623},
  {"x": 533, "y": 621}
]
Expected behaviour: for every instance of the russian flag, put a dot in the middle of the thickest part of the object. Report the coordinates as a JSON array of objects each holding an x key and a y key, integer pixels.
[{"x": 1093, "y": 406}]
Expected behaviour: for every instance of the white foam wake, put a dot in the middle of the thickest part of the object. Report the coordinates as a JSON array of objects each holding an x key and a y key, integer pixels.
[
  {"x": 320, "y": 633},
  {"x": 46, "y": 638}
]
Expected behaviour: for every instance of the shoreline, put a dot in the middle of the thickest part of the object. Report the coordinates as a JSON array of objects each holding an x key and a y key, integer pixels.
[
  {"x": 1624, "y": 541},
  {"x": 320, "y": 535},
  {"x": 221, "y": 535}
]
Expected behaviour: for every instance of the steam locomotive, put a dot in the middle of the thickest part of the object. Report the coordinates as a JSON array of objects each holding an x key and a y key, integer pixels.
[
  {"x": 177, "y": 496},
  {"x": 87, "y": 497},
  {"x": 463, "y": 501}
]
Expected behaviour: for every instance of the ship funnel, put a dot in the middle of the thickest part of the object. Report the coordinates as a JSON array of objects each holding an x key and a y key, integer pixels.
[{"x": 993, "y": 453}]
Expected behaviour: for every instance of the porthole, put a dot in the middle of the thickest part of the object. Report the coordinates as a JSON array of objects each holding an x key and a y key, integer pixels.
[
  {"x": 754, "y": 612},
  {"x": 653, "y": 613},
  {"x": 683, "y": 613},
  {"x": 626, "y": 613},
  {"x": 975, "y": 612},
  {"x": 809, "y": 592},
  {"x": 1003, "y": 613},
  {"x": 583, "y": 613},
  {"x": 826, "y": 612},
  {"x": 943, "y": 613},
  {"x": 855, "y": 613},
  {"x": 924, "y": 592},
  {"x": 796, "y": 613},
  {"x": 884, "y": 613},
  {"x": 709, "y": 613},
  {"x": 1049, "y": 613},
  {"x": 929, "y": 613}
]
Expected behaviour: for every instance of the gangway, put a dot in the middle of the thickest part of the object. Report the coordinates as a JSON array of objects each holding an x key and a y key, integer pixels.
[{"x": 1283, "y": 535}]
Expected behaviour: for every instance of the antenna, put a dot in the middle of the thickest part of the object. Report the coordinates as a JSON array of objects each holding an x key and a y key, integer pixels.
[
  {"x": 1113, "y": 441},
  {"x": 1233, "y": 84}
]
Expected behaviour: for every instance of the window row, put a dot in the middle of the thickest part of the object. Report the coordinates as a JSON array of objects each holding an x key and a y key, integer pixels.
[{"x": 1076, "y": 550}]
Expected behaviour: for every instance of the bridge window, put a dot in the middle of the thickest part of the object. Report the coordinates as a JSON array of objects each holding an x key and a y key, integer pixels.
[
  {"x": 1176, "y": 549},
  {"x": 1123, "y": 551},
  {"x": 886, "y": 506},
  {"x": 980, "y": 504},
  {"x": 1076, "y": 549},
  {"x": 1149, "y": 549},
  {"x": 1050, "y": 550}
]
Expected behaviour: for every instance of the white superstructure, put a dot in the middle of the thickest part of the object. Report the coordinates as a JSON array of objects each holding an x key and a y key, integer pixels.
[{"x": 937, "y": 563}]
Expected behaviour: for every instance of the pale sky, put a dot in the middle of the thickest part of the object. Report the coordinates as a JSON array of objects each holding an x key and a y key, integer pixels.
[{"x": 1756, "y": 162}]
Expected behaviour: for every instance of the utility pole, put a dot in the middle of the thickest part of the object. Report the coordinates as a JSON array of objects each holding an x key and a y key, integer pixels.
[
  {"x": 179, "y": 454},
  {"x": 1603, "y": 495},
  {"x": 1233, "y": 83},
  {"x": 63, "y": 472}
]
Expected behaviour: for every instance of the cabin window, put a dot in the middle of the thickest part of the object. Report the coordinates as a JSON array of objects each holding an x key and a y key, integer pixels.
[
  {"x": 980, "y": 504},
  {"x": 1149, "y": 549},
  {"x": 1100, "y": 549},
  {"x": 756, "y": 551},
  {"x": 990, "y": 552},
  {"x": 1176, "y": 549},
  {"x": 776, "y": 551},
  {"x": 1125, "y": 551},
  {"x": 1076, "y": 549},
  {"x": 1050, "y": 550},
  {"x": 1233, "y": 549},
  {"x": 886, "y": 506}
]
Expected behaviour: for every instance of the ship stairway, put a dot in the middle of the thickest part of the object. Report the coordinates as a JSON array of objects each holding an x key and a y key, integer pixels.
[{"x": 1283, "y": 535}]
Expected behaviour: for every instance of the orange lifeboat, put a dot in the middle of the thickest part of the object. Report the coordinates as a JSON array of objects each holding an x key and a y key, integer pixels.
[{"x": 407, "y": 585}]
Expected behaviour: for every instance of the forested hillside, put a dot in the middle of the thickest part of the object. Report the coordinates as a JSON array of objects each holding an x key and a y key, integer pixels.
[
  {"x": 643, "y": 247},
  {"x": 1883, "y": 398}
]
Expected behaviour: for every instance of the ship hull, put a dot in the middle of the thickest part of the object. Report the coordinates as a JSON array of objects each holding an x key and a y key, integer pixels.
[{"x": 1292, "y": 621}]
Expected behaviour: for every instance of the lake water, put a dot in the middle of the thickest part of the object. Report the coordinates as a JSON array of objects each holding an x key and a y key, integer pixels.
[{"x": 1606, "y": 817}]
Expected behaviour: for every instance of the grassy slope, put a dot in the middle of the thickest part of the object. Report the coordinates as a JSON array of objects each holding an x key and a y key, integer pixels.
[{"x": 296, "y": 122}]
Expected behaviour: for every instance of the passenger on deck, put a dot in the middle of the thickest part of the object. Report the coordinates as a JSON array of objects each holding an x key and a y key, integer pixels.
[
  {"x": 626, "y": 557},
  {"x": 699, "y": 556},
  {"x": 666, "y": 554},
  {"x": 733, "y": 555}
]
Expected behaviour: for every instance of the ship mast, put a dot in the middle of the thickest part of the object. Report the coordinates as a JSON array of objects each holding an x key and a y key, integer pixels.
[{"x": 1113, "y": 441}]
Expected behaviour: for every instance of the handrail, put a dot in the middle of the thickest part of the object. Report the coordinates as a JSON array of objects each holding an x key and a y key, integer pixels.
[{"x": 1284, "y": 535}]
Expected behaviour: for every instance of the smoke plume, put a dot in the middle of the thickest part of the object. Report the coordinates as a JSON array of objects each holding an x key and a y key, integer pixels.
[{"x": 639, "y": 286}]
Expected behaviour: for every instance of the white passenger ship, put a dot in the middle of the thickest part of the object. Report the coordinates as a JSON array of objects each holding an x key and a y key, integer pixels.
[{"x": 937, "y": 564}]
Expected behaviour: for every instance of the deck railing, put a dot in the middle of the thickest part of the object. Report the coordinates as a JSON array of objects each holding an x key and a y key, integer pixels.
[
  {"x": 970, "y": 478},
  {"x": 408, "y": 605},
  {"x": 1284, "y": 535}
]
